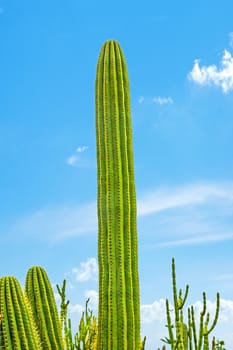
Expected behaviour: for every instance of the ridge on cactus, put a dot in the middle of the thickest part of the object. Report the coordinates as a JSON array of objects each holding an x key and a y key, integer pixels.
[{"x": 119, "y": 309}]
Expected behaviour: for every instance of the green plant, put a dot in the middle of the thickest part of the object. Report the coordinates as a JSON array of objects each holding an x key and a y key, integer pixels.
[
  {"x": 41, "y": 297},
  {"x": 185, "y": 337},
  {"x": 17, "y": 327},
  {"x": 218, "y": 344},
  {"x": 119, "y": 309},
  {"x": 86, "y": 337}
]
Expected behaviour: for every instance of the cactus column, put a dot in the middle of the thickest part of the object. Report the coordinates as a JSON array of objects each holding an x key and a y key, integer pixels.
[
  {"x": 39, "y": 292},
  {"x": 119, "y": 309}
]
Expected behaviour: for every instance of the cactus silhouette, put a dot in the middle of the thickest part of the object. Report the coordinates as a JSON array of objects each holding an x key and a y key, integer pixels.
[
  {"x": 118, "y": 319},
  {"x": 40, "y": 295},
  {"x": 17, "y": 327}
]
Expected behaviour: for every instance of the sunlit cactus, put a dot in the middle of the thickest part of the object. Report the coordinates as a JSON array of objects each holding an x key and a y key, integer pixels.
[
  {"x": 119, "y": 310},
  {"x": 41, "y": 297},
  {"x": 186, "y": 336},
  {"x": 17, "y": 327}
]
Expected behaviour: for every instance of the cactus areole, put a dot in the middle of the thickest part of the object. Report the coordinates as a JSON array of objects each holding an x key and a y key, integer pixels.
[{"x": 119, "y": 307}]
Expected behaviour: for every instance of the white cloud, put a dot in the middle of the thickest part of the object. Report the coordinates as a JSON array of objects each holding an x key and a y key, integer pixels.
[
  {"x": 72, "y": 160},
  {"x": 157, "y": 99},
  {"x": 162, "y": 100},
  {"x": 154, "y": 312},
  {"x": 77, "y": 309},
  {"x": 88, "y": 270},
  {"x": 212, "y": 75},
  {"x": 81, "y": 149}
]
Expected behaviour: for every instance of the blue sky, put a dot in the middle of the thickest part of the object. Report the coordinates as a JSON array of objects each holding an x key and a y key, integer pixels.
[{"x": 180, "y": 63}]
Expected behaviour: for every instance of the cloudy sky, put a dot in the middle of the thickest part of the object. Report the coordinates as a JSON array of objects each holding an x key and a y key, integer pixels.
[{"x": 180, "y": 63}]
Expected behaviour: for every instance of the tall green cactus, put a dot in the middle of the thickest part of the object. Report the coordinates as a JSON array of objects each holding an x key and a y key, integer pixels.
[
  {"x": 40, "y": 295},
  {"x": 119, "y": 308},
  {"x": 17, "y": 327}
]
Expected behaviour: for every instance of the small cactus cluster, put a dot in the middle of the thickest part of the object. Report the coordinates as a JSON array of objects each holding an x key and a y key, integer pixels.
[
  {"x": 29, "y": 320},
  {"x": 186, "y": 337},
  {"x": 86, "y": 336}
]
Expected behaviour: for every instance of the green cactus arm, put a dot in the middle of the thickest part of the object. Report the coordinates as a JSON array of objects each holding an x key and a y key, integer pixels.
[
  {"x": 175, "y": 299},
  {"x": 208, "y": 331},
  {"x": 194, "y": 330},
  {"x": 182, "y": 300},
  {"x": 202, "y": 314},
  {"x": 169, "y": 323},
  {"x": 64, "y": 304},
  {"x": 190, "y": 330}
]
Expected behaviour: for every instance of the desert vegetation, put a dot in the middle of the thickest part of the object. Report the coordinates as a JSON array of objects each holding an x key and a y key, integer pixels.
[{"x": 30, "y": 319}]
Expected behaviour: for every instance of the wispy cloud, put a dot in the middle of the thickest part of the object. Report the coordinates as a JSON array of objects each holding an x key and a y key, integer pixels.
[
  {"x": 58, "y": 223},
  {"x": 206, "y": 239},
  {"x": 221, "y": 76},
  {"x": 224, "y": 277},
  {"x": 157, "y": 100},
  {"x": 81, "y": 149},
  {"x": 72, "y": 160},
  {"x": 162, "y": 100},
  {"x": 231, "y": 39},
  {"x": 188, "y": 214},
  {"x": 87, "y": 271},
  {"x": 141, "y": 99},
  {"x": 75, "y": 158},
  {"x": 173, "y": 197}
]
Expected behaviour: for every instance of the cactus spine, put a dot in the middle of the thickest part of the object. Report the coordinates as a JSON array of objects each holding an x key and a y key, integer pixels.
[
  {"x": 40, "y": 295},
  {"x": 17, "y": 327},
  {"x": 119, "y": 320}
]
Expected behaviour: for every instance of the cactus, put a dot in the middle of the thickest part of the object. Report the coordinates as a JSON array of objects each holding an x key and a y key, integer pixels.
[
  {"x": 86, "y": 337},
  {"x": 40, "y": 295},
  {"x": 203, "y": 328},
  {"x": 186, "y": 337},
  {"x": 119, "y": 314},
  {"x": 17, "y": 327}
]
